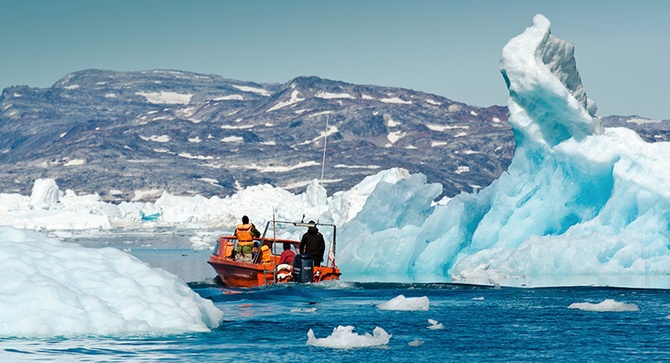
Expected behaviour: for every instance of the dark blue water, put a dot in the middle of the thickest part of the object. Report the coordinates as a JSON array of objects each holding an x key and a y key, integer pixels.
[{"x": 481, "y": 325}]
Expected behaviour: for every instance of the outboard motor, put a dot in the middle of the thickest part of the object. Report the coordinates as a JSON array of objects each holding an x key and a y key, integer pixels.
[{"x": 303, "y": 268}]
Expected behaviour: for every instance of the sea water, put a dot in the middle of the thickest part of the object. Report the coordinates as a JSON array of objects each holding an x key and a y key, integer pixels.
[
  {"x": 461, "y": 323},
  {"x": 480, "y": 324}
]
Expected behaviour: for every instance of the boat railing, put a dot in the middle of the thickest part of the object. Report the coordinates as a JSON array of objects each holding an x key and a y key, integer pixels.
[{"x": 330, "y": 260}]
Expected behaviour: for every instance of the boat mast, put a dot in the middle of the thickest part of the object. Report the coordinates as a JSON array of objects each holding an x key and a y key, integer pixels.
[
  {"x": 323, "y": 163},
  {"x": 325, "y": 142}
]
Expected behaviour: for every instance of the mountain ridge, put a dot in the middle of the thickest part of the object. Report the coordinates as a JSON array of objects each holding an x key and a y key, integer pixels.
[{"x": 132, "y": 135}]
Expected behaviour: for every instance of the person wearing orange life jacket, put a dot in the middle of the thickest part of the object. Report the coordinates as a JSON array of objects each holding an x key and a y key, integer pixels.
[{"x": 245, "y": 234}]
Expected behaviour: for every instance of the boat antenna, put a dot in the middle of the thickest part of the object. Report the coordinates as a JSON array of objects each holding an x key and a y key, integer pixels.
[
  {"x": 323, "y": 160},
  {"x": 274, "y": 229},
  {"x": 325, "y": 142}
]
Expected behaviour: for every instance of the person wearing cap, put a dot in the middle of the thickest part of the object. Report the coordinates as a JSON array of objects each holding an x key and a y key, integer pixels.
[{"x": 312, "y": 243}]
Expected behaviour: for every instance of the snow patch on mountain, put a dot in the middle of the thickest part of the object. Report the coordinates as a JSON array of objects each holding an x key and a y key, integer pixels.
[
  {"x": 196, "y": 157},
  {"x": 230, "y": 98},
  {"x": 330, "y": 96},
  {"x": 396, "y": 100},
  {"x": 74, "y": 162},
  {"x": 292, "y": 101},
  {"x": 233, "y": 139},
  {"x": 280, "y": 169},
  {"x": 156, "y": 138},
  {"x": 393, "y": 137},
  {"x": 164, "y": 97},
  {"x": 237, "y": 127},
  {"x": 357, "y": 166},
  {"x": 642, "y": 121},
  {"x": 260, "y": 91}
]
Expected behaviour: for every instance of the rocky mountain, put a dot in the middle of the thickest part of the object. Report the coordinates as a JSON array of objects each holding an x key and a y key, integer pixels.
[{"x": 131, "y": 135}]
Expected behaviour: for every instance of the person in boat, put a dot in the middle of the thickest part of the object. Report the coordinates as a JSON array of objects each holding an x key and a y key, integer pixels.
[
  {"x": 312, "y": 243},
  {"x": 245, "y": 234},
  {"x": 284, "y": 265},
  {"x": 287, "y": 256}
]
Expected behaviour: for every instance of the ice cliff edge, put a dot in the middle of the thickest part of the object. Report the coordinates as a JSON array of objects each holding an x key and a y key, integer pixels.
[{"x": 547, "y": 101}]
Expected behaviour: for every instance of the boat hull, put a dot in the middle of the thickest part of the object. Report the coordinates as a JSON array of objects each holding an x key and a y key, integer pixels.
[
  {"x": 242, "y": 274},
  {"x": 239, "y": 273}
]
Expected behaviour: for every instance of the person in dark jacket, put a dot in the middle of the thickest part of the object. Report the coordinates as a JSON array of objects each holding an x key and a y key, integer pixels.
[{"x": 312, "y": 243}]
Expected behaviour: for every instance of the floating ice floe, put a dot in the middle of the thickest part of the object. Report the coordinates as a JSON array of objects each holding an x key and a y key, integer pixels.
[
  {"x": 401, "y": 302},
  {"x": 607, "y": 305},
  {"x": 344, "y": 337},
  {"x": 416, "y": 343},
  {"x": 303, "y": 310},
  {"x": 434, "y": 325}
]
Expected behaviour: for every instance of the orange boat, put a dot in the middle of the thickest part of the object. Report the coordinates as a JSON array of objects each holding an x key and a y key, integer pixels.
[{"x": 263, "y": 268}]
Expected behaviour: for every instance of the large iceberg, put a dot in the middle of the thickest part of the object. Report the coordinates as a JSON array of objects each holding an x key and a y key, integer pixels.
[
  {"x": 577, "y": 200},
  {"x": 49, "y": 288}
]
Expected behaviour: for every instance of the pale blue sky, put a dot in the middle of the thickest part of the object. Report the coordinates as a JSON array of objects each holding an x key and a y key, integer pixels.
[{"x": 449, "y": 48}]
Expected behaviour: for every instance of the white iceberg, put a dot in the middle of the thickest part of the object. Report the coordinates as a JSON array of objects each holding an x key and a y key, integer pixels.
[
  {"x": 344, "y": 337},
  {"x": 49, "y": 288},
  {"x": 435, "y": 325},
  {"x": 401, "y": 302}
]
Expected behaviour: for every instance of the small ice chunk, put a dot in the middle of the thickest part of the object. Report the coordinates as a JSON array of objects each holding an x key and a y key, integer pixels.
[
  {"x": 305, "y": 310},
  {"x": 416, "y": 343},
  {"x": 401, "y": 302},
  {"x": 607, "y": 305},
  {"x": 434, "y": 325},
  {"x": 344, "y": 337}
]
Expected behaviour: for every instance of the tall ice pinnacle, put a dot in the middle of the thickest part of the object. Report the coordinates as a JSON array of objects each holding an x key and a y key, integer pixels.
[
  {"x": 547, "y": 101},
  {"x": 578, "y": 204}
]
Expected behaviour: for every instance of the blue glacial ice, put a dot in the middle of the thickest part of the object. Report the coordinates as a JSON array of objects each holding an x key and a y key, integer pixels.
[
  {"x": 577, "y": 200},
  {"x": 579, "y": 203}
]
